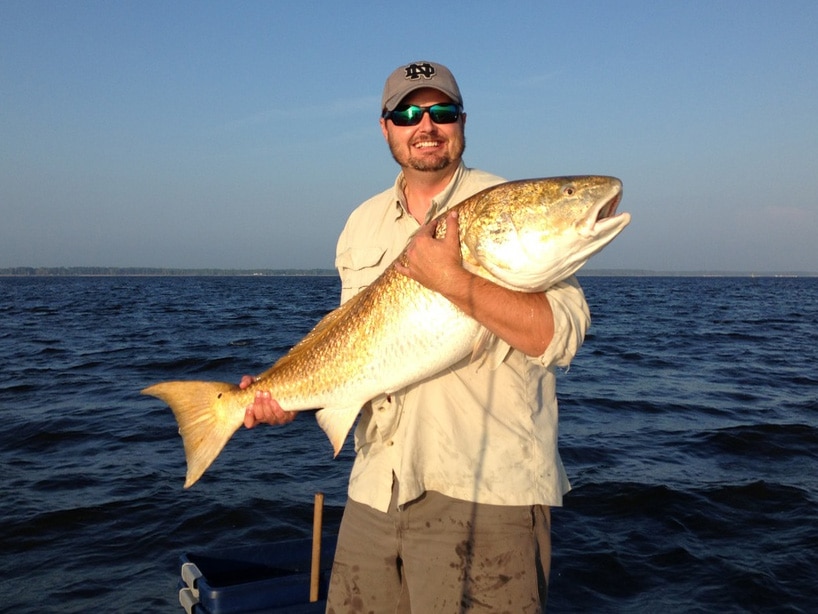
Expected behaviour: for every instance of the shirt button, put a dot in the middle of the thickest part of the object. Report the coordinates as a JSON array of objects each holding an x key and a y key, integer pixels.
[{"x": 390, "y": 443}]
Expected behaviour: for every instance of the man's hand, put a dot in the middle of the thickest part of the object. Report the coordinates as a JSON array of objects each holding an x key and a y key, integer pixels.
[
  {"x": 264, "y": 408},
  {"x": 434, "y": 263},
  {"x": 524, "y": 320}
]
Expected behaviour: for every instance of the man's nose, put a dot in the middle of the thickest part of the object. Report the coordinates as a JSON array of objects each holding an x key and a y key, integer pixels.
[{"x": 426, "y": 121}]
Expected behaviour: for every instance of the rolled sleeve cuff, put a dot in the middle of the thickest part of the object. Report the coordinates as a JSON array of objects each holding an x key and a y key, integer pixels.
[{"x": 571, "y": 320}]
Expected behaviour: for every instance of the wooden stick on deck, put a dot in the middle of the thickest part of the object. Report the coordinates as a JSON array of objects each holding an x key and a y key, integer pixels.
[{"x": 315, "y": 570}]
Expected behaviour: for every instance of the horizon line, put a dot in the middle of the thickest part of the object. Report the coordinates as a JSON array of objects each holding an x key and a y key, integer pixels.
[{"x": 138, "y": 271}]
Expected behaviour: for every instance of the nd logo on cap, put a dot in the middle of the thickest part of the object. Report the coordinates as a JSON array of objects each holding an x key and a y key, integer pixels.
[{"x": 416, "y": 71}]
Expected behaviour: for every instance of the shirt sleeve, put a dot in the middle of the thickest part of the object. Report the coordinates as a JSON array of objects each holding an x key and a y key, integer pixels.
[{"x": 571, "y": 320}]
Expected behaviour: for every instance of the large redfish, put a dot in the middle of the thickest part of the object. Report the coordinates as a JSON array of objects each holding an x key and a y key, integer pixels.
[{"x": 526, "y": 235}]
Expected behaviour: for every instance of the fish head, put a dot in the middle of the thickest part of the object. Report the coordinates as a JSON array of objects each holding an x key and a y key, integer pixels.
[{"x": 531, "y": 234}]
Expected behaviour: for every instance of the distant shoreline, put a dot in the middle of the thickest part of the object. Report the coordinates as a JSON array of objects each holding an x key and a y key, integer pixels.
[
  {"x": 159, "y": 272},
  {"x": 178, "y": 272}
]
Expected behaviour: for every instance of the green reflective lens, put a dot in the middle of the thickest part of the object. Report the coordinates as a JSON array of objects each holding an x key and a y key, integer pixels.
[{"x": 410, "y": 115}]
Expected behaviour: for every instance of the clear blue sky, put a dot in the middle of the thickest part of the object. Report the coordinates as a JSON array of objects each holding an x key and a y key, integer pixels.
[{"x": 241, "y": 134}]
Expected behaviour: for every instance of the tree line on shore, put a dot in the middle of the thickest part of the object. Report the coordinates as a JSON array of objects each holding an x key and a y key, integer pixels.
[{"x": 103, "y": 271}]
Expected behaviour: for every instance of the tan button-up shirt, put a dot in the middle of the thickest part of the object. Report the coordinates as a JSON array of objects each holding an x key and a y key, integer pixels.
[{"x": 477, "y": 431}]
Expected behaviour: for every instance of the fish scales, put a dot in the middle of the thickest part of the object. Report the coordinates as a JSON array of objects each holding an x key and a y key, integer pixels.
[{"x": 356, "y": 352}]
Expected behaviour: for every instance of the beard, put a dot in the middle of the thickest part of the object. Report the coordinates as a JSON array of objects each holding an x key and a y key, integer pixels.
[{"x": 435, "y": 163}]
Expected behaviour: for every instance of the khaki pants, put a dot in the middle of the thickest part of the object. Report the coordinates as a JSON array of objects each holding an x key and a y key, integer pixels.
[{"x": 439, "y": 555}]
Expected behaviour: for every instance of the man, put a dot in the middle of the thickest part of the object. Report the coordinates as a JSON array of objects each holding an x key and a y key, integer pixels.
[{"x": 454, "y": 476}]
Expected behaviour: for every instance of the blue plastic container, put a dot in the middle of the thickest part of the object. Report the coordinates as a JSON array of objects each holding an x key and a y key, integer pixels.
[{"x": 272, "y": 578}]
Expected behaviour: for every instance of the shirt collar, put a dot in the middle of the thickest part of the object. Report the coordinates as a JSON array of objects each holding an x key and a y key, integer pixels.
[{"x": 439, "y": 202}]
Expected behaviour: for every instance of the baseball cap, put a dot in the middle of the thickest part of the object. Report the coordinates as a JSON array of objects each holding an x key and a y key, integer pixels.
[{"x": 417, "y": 75}]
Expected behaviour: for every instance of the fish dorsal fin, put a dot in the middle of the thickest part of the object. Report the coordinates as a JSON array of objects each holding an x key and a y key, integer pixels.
[{"x": 323, "y": 327}]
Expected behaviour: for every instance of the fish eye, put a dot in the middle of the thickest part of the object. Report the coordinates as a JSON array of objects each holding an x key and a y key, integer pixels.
[{"x": 568, "y": 190}]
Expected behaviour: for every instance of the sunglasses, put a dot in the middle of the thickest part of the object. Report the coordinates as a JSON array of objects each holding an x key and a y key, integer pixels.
[{"x": 411, "y": 114}]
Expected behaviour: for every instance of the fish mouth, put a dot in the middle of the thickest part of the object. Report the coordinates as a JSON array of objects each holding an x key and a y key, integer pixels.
[
  {"x": 608, "y": 209},
  {"x": 603, "y": 215}
]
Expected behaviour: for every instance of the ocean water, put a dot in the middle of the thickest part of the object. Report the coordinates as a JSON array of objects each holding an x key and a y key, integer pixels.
[{"x": 689, "y": 428}]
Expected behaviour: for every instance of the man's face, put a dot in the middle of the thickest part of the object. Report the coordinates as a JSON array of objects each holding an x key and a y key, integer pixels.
[{"x": 426, "y": 146}]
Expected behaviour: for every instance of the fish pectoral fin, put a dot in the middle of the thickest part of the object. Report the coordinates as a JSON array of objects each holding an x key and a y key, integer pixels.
[
  {"x": 206, "y": 419},
  {"x": 489, "y": 348},
  {"x": 481, "y": 345},
  {"x": 336, "y": 423}
]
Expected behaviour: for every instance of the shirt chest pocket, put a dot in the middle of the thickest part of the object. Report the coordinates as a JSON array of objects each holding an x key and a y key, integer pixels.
[{"x": 359, "y": 267}]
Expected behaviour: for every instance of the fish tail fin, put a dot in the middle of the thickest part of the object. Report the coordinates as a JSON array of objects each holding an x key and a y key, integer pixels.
[{"x": 206, "y": 416}]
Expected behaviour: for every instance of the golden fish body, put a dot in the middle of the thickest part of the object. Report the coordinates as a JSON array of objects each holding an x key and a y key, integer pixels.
[{"x": 526, "y": 235}]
